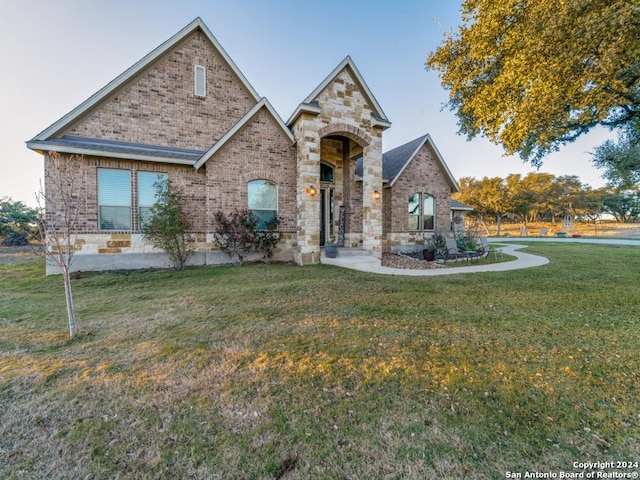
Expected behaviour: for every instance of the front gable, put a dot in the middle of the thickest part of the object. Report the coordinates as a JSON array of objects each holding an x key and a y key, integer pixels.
[
  {"x": 258, "y": 149},
  {"x": 343, "y": 96},
  {"x": 154, "y": 101}
]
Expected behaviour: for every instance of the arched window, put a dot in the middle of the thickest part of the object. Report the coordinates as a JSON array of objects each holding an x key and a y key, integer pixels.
[
  {"x": 421, "y": 210},
  {"x": 263, "y": 200}
]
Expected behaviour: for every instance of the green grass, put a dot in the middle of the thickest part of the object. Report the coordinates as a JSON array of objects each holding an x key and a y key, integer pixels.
[{"x": 324, "y": 373}]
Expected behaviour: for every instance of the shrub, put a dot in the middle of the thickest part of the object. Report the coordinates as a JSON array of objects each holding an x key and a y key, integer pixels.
[
  {"x": 235, "y": 233},
  {"x": 16, "y": 239},
  {"x": 267, "y": 239},
  {"x": 167, "y": 225}
]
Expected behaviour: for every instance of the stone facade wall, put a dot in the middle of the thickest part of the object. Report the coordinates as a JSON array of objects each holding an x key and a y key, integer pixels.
[
  {"x": 159, "y": 106},
  {"x": 423, "y": 175},
  {"x": 342, "y": 102},
  {"x": 344, "y": 112}
]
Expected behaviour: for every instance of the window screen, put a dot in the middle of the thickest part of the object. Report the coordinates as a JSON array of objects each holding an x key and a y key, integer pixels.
[
  {"x": 114, "y": 199},
  {"x": 147, "y": 193}
]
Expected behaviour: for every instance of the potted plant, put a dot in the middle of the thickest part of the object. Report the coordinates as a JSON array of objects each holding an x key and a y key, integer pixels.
[
  {"x": 439, "y": 243},
  {"x": 429, "y": 253},
  {"x": 330, "y": 250}
]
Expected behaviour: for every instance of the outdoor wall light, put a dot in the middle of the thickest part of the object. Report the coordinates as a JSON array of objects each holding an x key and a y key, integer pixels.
[
  {"x": 376, "y": 195},
  {"x": 311, "y": 190}
]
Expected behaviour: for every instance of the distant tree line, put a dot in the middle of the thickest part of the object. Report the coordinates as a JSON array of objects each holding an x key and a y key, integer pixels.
[
  {"x": 543, "y": 197},
  {"x": 18, "y": 222}
]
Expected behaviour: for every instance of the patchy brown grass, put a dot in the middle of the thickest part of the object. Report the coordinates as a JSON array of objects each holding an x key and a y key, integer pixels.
[{"x": 318, "y": 372}]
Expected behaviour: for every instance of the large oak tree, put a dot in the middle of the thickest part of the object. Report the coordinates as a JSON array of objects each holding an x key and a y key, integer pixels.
[{"x": 532, "y": 75}]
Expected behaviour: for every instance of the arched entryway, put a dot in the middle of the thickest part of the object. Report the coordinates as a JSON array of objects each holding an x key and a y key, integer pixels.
[{"x": 345, "y": 210}]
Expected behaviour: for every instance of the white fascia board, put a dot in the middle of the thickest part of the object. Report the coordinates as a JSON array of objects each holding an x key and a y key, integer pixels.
[
  {"x": 375, "y": 122},
  {"x": 42, "y": 147},
  {"x": 137, "y": 68},
  {"x": 303, "y": 108},
  {"x": 452, "y": 179},
  {"x": 278, "y": 120}
]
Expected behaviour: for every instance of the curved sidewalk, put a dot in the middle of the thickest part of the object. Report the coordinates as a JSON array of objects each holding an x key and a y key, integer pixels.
[{"x": 370, "y": 264}]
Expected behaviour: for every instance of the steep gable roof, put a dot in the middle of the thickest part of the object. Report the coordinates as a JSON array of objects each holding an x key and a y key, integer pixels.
[
  {"x": 395, "y": 161},
  {"x": 263, "y": 103},
  {"x": 134, "y": 70},
  {"x": 377, "y": 114}
]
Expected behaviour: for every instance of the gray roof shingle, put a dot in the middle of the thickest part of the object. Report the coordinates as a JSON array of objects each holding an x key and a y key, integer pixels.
[{"x": 73, "y": 143}]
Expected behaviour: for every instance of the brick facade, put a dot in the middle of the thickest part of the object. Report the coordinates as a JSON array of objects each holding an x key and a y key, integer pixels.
[
  {"x": 159, "y": 107},
  {"x": 259, "y": 151},
  {"x": 244, "y": 140},
  {"x": 424, "y": 174}
]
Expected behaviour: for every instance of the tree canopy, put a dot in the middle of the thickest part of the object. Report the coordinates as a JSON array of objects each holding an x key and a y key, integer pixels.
[
  {"x": 533, "y": 75},
  {"x": 542, "y": 196},
  {"x": 16, "y": 216},
  {"x": 621, "y": 159}
]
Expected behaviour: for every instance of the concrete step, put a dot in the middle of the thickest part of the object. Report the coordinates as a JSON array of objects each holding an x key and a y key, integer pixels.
[
  {"x": 352, "y": 261},
  {"x": 347, "y": 251}
]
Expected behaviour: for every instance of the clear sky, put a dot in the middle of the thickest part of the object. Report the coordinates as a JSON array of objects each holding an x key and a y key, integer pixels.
[{"x": 57, "y": 53}]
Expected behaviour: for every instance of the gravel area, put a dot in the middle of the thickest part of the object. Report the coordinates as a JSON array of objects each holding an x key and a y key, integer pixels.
[{"x": 397, "y": 260}]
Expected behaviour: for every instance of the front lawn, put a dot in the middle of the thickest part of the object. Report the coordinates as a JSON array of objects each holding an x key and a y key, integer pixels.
[{"x": 319, "y": 372}]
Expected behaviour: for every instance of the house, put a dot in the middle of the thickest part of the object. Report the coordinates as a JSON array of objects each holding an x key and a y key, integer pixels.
[
  {"x": 186, "y": 112},
  {"x": 459, "y": 213}
]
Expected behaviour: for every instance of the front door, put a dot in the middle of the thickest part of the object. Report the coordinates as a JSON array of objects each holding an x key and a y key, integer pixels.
[{"x": 327, "y": 216}]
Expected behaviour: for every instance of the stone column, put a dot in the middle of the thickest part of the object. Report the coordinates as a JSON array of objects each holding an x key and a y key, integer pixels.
[
  {"x": 371, "y": 206},
  {"x": 308, "y": 224}
]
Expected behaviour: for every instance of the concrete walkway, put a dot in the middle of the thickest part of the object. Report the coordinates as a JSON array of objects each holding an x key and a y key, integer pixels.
[{"x": 367, "y": 263}]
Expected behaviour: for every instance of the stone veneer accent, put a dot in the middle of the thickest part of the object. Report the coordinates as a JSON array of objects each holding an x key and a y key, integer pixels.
[{"x": 344, "y": 113}]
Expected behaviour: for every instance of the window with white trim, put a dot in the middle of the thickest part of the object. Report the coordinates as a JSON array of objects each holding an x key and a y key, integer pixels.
[
  {"x": 263, "y": 201},
  {"x": 421, "y": 211},
  {"x": 147, "y": 193},
  {"x": 199, "y": 81},
  {"x": 114, "y": 199}
]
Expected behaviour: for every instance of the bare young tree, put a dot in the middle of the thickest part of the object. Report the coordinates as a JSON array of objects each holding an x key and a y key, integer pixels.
[{"x": 61, "y": 201}]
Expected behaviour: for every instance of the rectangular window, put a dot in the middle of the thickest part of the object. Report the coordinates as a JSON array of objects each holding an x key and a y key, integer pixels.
[
  {"x": 428, "y": 212},
  {"x": 421, "y": 210},
  {"x": 147, "y": 193},
  {"x": 414, "y": 211},
  {"x": 200, "y": 81},
  {"x": 114, "y": 199}
]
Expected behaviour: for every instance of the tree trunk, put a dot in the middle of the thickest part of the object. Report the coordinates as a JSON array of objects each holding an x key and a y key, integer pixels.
[
  {"x": 70, "y": 309},
  {"x": 498, "y": 218}
]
